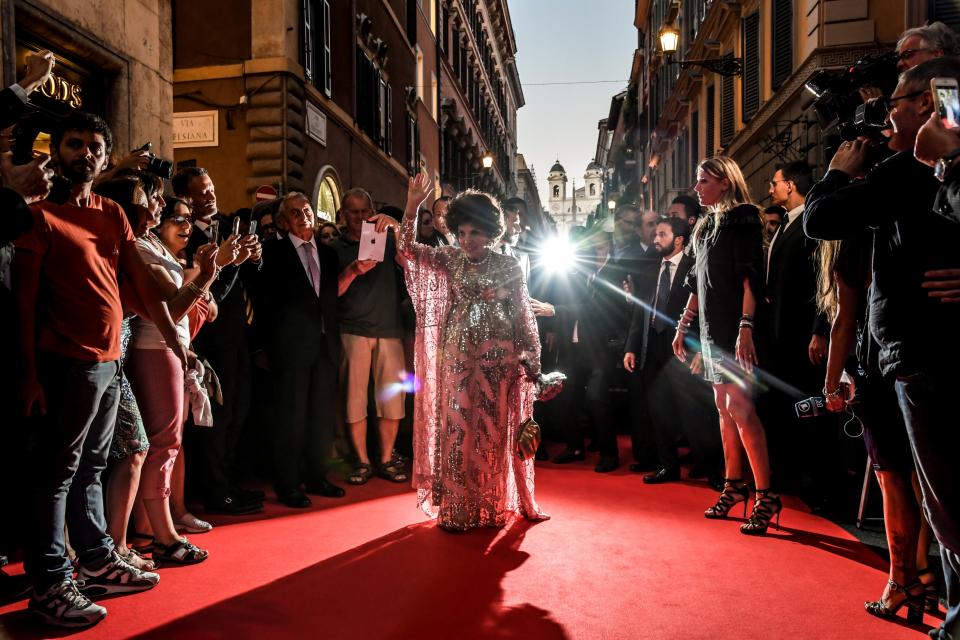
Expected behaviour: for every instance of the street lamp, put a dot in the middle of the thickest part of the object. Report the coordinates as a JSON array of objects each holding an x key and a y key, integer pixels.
[
  {"x": 669, "y": 37},
  {"x": 611, "y": 204},
  {"x": 487, "y": 160}
]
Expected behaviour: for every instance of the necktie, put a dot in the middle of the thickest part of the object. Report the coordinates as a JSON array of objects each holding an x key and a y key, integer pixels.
[
  {"x": 660, "y": 320},
  {"x": 312, "y": 267}
]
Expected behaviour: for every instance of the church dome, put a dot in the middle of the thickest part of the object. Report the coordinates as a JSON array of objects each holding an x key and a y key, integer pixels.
[
  {"x": 557, "y": 168},
  {"x": 593, "y": 166}
]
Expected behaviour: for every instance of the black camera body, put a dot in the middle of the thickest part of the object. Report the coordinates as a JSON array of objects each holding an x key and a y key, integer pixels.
[{"x": 157, "y": 166}]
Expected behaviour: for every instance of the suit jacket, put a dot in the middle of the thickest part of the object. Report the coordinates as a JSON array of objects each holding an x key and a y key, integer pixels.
[
  {"x": 791, "y": 315},
  {"x": 12, "y": 107},
  {"x": 293, "y": 324},
  {"x": 638, "y": 339}
]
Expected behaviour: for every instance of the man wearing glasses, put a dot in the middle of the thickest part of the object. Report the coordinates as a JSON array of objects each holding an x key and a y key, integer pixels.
[
  {"x": 919, "y": 45},
  {"x": 912, "y": 326},
  {"x": 925, "y": 43}
]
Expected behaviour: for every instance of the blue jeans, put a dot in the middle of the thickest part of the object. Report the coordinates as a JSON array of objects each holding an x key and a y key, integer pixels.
[
  {"x": 70, "y": 451},
  {"x": 927, "y": 403}
]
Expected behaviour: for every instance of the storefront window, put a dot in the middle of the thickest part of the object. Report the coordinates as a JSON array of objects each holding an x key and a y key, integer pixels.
[{"x": 328, "y": 199}]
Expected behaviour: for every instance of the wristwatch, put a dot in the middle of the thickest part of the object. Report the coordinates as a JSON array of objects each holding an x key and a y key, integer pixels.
[{"x": 944, "y": 163}]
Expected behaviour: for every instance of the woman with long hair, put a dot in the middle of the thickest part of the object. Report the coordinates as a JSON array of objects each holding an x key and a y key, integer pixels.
[
  {"x": 476, "y": 345},
  {"x": 725, "y": 286},
  {"x": 844, "y": 277}
]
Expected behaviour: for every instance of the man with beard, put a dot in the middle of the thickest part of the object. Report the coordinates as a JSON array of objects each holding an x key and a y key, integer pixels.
[
  {"x": 667, "y": 383},
  {"x": 66, "y": 284}
]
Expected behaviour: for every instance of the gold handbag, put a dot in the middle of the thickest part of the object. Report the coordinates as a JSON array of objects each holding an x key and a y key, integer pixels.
[{"x": 528, "y": 439}]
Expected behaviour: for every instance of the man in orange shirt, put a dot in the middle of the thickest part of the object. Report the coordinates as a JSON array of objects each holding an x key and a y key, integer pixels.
[{"x": 66, "y": 283}]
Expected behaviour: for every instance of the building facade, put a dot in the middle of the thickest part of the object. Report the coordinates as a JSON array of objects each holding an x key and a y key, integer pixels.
[
  {"x": 113, "y": 58},
  {"x": 480, "y": 94},
  {"x": 315, "y": 96},
  {"x": 675, "y": 117},
  {"x": 527, "y": 184}
]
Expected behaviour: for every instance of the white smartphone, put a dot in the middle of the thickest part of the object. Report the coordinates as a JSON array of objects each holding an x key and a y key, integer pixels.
[{"x": 946, "y": 97}]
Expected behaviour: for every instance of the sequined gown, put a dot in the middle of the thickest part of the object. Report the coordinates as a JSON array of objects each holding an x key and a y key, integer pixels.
[{"x": 473, "y": 322}]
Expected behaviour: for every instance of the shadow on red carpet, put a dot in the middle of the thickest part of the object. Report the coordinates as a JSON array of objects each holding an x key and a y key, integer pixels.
[{"x": 417, "y": 582}]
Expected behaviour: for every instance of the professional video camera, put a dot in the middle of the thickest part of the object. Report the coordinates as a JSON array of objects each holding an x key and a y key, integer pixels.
[{"x": 838, "y": 95}]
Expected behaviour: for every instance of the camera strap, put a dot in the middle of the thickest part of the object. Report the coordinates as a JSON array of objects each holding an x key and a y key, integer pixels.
[{"x": 853, "y": 418}]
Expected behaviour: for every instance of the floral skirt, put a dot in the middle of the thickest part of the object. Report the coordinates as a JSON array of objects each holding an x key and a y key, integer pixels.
[{"x": 129, "y": 436}]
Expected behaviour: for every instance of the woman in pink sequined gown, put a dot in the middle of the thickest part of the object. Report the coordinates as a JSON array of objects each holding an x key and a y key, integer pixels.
[{"x": 474, "y": 326}]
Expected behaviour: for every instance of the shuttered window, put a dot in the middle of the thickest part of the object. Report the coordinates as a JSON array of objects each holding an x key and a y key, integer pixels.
[
  {"x": 947, "y": 12},
  {"x": 751, "y": 65},
  {"x": 727, "y": 124},
  {"x": 308, "y": 56},
  {"x": 711, "y": 120},
  {"x": 782, "y": 45},
  {"x": 374, "y": 103},
  {"x": 327, "y": 84}
]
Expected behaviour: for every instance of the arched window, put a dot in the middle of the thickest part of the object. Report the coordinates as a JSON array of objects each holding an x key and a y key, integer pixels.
[
  {"x": 593, "y": 189},
  {"x": 556, "y": 191},
  {"x": 327, "y": 195}
]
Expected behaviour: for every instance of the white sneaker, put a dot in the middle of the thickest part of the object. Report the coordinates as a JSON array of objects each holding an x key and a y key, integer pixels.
[
  {"x": 115, "y": 576},
  {"x": 64, "y": 606}
]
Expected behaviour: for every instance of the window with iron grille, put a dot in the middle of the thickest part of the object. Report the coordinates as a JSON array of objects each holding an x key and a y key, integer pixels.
[
  {"x": 782, "y": 46},
  {"x": 711, "y": 120},
  {"x": 727, "y": 124},
  {"x": 751, "y": 65}
]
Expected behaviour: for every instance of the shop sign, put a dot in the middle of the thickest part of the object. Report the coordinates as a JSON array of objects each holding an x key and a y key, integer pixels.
[
  {"x": 196, "y": 129},
  {"x": 66, "y": 88},
  {"x": 316, "y": 124},
  {"x": 62, "y": 90}
]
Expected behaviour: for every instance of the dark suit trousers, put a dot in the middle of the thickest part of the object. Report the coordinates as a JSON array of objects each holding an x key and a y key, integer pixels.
[
  {"x": 679, "y": 404},
  {"x": 220, "y": 442},
  {"x": 306, "y": 409},
  {"x": 605, "y": 372}
]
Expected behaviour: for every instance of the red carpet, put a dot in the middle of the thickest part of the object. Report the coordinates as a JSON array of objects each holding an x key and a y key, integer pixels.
[{"x": 618, "y": 560}]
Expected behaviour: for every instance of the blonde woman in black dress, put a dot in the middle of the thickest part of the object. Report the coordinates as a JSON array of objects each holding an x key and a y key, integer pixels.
[{"x": 725, "y": 287}]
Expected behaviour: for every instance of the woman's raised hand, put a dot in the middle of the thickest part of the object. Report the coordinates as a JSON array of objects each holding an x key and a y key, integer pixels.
[{"x": 418, "y": 189}]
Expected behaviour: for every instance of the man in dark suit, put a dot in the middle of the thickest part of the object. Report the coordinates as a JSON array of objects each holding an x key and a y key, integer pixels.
[
  {"x": 625, "y": 273},
  {"x": 796, "y": 334},
  {"x": 296, "y": 319},
  {"x": 666, "y": 382},
  {"x": 224, "y": 344}
]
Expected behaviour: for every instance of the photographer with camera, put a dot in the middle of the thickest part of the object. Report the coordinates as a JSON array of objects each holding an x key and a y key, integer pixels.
[
  {"x": 896, "y": 199},
  {"x": 919, "y": 45}
]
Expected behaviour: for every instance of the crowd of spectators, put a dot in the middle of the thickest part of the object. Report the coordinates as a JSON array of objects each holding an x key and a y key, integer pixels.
[{"x": 148, "y": 323}]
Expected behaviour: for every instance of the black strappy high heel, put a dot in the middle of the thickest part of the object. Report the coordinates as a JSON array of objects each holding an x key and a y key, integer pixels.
[
  {"x": 913, "y": 601},
  {"x": 764, "y": 508},
  {"x": 731, "y": 495},
  {"x": 931, "y": 591}
]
